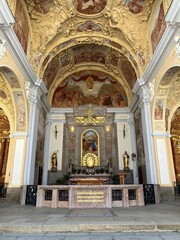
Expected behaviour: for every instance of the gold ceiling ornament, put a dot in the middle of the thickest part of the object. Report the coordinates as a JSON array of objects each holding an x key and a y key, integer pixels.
[
  {"x": 90, "y": 118},
  {"x": 90, "y": 83},
  {"x": 90, "y": 160}
]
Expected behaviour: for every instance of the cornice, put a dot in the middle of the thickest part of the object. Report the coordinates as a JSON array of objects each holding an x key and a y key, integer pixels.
[{"x": 6, "y": 17}]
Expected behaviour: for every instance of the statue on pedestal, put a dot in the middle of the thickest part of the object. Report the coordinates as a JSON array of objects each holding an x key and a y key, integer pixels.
[
  {"x": 54, "y": 161},
  {"x": 126, "y": 160}
]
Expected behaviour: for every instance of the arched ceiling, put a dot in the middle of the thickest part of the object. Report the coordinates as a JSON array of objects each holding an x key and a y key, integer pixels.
[{"x": 74, "y": 36}]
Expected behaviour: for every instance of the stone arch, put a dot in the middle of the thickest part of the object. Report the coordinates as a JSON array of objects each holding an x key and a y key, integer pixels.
[
  {"x": 119, "y": 79},
  {"x": 13, "y": 99},
  {"x": 166, "y": 99}
]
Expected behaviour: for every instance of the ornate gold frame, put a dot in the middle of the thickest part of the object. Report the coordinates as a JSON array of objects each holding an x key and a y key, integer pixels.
[{"x": 94, "y": 157}]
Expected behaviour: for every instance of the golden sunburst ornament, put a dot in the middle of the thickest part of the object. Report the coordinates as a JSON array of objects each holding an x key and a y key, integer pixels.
[{"x": 90, "y": 160}]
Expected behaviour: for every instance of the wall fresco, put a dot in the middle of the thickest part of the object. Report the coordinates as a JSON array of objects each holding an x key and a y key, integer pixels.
[
  {"x": 21, "y": 27},
  {"x": 20, "y": 111},
  {"x": 159, "y": 28},
  {"x": 10, "y": 77},
  {"x": 158, "y": 111}
]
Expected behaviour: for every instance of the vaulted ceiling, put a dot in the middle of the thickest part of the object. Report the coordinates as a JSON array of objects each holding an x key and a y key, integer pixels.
[{"x": 71, "y": 41}]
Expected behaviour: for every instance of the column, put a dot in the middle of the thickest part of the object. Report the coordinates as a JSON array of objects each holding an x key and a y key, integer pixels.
[
  {"x": 151, "y": 171},
  {"x": 34, "y": 95}
]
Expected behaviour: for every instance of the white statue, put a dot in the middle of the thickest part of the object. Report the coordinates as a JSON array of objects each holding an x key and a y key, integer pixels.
[{"x": 2, "y": 47}]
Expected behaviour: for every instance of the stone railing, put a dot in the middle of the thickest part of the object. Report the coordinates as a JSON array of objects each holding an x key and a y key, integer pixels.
[{"x": 89, "y": 196}]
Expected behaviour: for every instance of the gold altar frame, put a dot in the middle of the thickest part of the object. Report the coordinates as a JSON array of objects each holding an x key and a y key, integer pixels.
[{"x": 90, "y": 152}]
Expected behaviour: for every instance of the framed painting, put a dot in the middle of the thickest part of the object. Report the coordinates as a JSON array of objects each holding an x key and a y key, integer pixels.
[{"x": 90, "y": 148}]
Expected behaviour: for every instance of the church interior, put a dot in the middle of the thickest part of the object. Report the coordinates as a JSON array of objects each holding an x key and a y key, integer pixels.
[{"x": 89, "y": 89}]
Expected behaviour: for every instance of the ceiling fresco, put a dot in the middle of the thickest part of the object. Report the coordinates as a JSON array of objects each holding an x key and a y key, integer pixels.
[
  {"x": 89, "y": 88},
  {"x": 68, "y": 36},
  {"x": 89, "y": 6},
  {"x": 90, "y": 53}
]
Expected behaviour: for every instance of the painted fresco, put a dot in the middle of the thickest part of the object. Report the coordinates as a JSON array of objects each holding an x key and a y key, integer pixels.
[
  {"x": 10, "y": 77},
  {"x": 51, "y": 71},
  {"x": 158, "y": 111},
  {"x": 89, "y": 6},
  {"x": 42, "y": 6},
  {"x": 89, "y": 26},
  {"x": 135, "y": 6},
  {"x": 129, "y": 73},
  {"x": 20, "y": 111},
  {"x": 3, "y": 94},
  {"x": 159, "y": 28},
  {"x": 21, "y": 27},
  {"x": 87, "y": 88},
  {"x": 89, "y": 53}
]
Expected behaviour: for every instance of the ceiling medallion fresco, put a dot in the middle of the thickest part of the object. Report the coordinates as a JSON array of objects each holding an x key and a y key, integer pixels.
[
  {"x": 135, "y": 6},
  {"x": 89, "y": 88},
  {"x": 89, "y": 7}
]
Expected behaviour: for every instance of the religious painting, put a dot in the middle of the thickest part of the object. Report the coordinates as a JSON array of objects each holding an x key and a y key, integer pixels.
[
  {"x": 41, "y": 6},
  {"x": 10, "y": 77},
  {"x": 159, "y": 28},
  {"x": 129, "y": 73},
  {"x": 158, "y": 111},
  {"x": 89, "y": 26},
  {"x": 90, "y": 148},
  {"x": 89, "y": 88},
  {"x": 20, "y": 111},
  {"x": 51, "y": 71},
  {"x": 135, "y": 6},
  {"x": 21, "y": 27},
  {"x": 89, "y": 6},
  {"x": 89, "y": 53}
]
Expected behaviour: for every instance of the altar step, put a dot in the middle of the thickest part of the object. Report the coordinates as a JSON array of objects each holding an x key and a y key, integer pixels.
[{"x": 29, "y": 219}]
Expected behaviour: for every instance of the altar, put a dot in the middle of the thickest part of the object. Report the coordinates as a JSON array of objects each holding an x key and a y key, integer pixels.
[{"x": 89, "y": 181}]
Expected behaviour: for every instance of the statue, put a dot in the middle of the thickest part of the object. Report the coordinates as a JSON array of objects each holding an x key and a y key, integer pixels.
[
  {"x": 126, "y": 161},
  {"x": 54, "y": 161}
]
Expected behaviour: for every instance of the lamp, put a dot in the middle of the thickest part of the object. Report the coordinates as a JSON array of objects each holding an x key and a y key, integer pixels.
[{"x": 133, "y": 155}]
